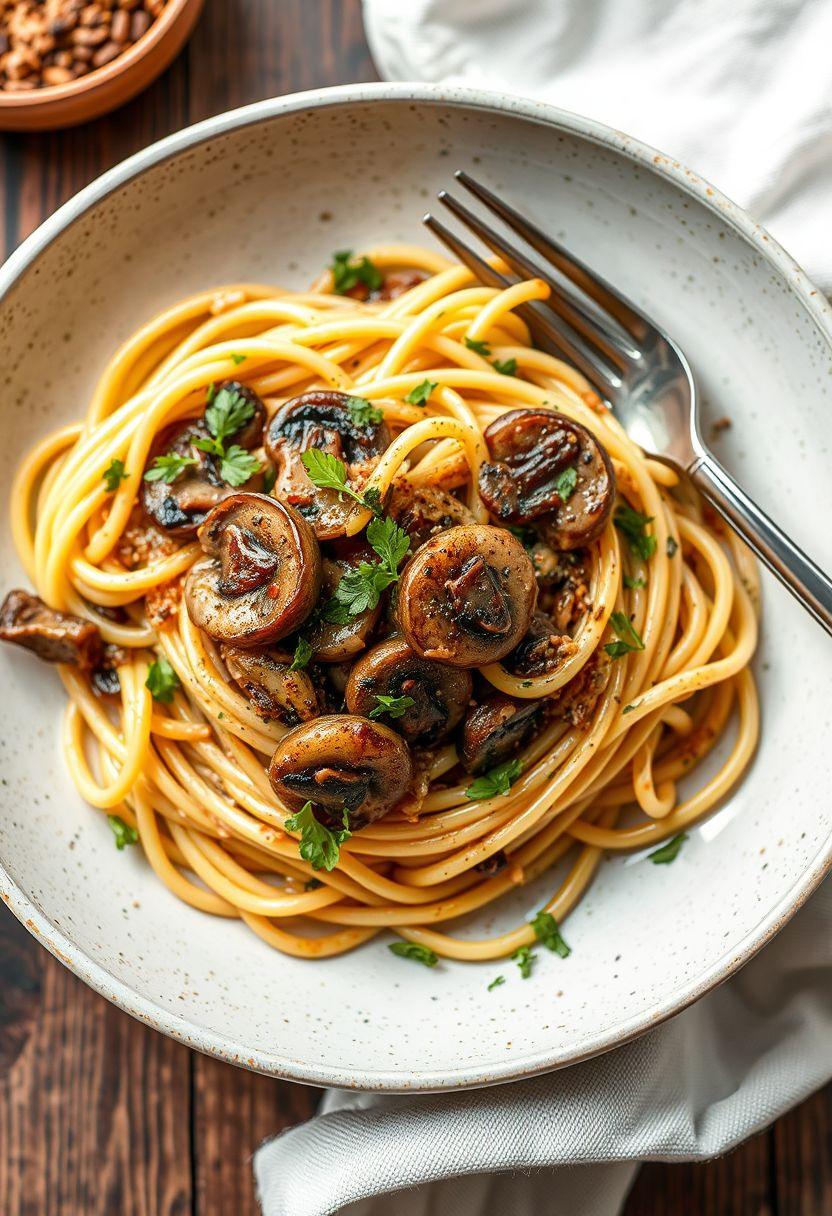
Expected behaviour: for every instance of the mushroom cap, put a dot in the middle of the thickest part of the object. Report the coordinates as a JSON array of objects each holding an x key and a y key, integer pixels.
[
  {"x": 321, "y": 420},
  {"x": 424, "y": 511},
  {"x": 542, "y": 650},
  {"x": 495, "y": 729},
  {"x": 342, "y": 761},
  {"x": 334, "y": 642},
  {"x": 55, "y": 637},
  {"x": 266, "y": 678},
  {"x": 467, "y": 596},
  {"x": 263, "y": 574},
  {"x": 440, "y": 693},
  {"x": 530, "y": 451}
]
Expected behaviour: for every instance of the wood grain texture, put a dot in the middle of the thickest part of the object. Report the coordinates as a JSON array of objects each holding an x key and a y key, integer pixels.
[{"x": 100, "y": 1116}]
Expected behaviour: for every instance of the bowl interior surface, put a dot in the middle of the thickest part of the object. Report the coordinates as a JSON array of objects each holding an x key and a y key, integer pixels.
[{"x": 269, "y": 201}]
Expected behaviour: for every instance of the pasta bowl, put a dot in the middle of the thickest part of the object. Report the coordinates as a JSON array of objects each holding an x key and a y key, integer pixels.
[{"x": 351, "y": 167}]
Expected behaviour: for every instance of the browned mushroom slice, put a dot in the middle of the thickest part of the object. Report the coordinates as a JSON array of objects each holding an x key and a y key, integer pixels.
[
  {"x": 321, "y": 420},
  {"x": 263, "y": 574},
  {"x": 397, "y": 282},
  {"x": 496, "y": 729},
  {"x": 575, "y": 702},
  {"x": 424, "y": 701},
  {"x": 467, "y": 596},
  {"x": 56, "y": 637},
  {"x": 424, "y": 512},
  {"x": 337, "y": 641},
  {"x": 542, "y": 651},
  {"x": 180, "y": 506},
  {"x": 544, "y": 465},
  {"x": 274, "y": 689},
  {"x": 341, "y": 761}
]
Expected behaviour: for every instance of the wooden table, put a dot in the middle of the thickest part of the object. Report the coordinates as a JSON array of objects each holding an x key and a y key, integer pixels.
[{"x": 100, "y": 1116}]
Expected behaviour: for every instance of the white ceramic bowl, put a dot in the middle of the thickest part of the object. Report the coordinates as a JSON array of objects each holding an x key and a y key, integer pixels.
[{"x": 244, "y": 196}]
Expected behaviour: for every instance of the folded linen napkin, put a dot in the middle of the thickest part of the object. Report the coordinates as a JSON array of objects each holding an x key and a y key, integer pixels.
[{"x": 742, "y": 94}]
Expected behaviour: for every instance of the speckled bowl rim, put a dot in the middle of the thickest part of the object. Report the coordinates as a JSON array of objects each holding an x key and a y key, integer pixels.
[{"x": 219, "y": 1045}]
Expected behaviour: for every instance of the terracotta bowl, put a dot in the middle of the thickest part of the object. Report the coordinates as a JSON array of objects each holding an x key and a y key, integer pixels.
[{"x": 64, "y": 105}]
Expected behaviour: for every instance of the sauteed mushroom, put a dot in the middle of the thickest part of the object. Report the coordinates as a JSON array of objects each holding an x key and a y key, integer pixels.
[
  {"x": 467, "y": 596},
  {"x": 56, "y": 637},
  {"x": 342, "y": 762},
  {"x": 334, "y": 642},
  {"x": 263, "y": 574},
  {"x": 576, "y": 701},
  {"x": 424, "y": 512},
  {"x": 496, "y": 729},
  {"x": 439, "y": 694},
  {"x": 397, "y": 282},
  {"x": 542, "y": 650},
  {"x": 546, "y": 467},
  {"x": 321, "y": 420},
  {"x": 266, "y": 678}
]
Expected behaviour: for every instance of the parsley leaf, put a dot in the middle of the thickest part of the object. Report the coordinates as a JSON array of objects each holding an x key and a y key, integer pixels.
[
  {"x": 496, "y": 781},
  {"x": 238, "y": 359},
  {"x": 525, "y": 960},
  {"x": 633, "y": 524},
  {"x": 419, "y": 954},
  {"x": 496, "y": 982},
  {"x": 671, "y": 546},
  {"x": 302, "y": 655},
  {"x": 479, "y": 348},
  {"x": 565, "y": 483},
  {"x": 347, "y": 273},
  {"x": 211, "y": 393},
  {"x": 123, "y": 832},
  {"x": 632, "y": 583},
  {"x": 320, "y": 846},
  {"x": 167, "y": 468},
  {"x": 547, "y": 931},
  {"x": 238, "y": 465},
  {"x": 390, "y": 542},
  {"x": 114, "y": 475},
  {"x": 668, "y": 852},
  {"x": 505, "y": 367},
  {"x": 327, "y": 472},
  {"x": 396, "y": 707},
  {"x": 162, "y": 680},
  {"x": 629, "y": 638},
  {"x": 363, "y": 413},
  {"x": 421, "y": 394},
  {"x": 227, "y": 413}
]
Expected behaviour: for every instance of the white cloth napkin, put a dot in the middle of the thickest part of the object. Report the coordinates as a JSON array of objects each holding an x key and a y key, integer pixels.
[{"x": 741, "y": 92}]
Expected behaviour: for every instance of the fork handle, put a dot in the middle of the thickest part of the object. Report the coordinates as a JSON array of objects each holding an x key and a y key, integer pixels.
[{"x": 806, "y": 581}]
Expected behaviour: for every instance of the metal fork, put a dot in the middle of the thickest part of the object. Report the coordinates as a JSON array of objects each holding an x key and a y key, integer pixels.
[{"x": 637, "y": 370}]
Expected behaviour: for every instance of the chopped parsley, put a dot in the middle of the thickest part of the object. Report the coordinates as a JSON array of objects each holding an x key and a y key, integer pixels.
[
  {"x": 496, "y": 781},
  {"x": 348, "y": 272},
  {"x": 628, "y": 709},
  {"x": 167, "y": 468},
  {"x": 312, "y": 884},
  {"x": 421, "y": 394},
  {"x": 565, "y": 483},
  {"x": 211, "y": 393},
  {"x": 319, "y": 845},
  {"x": 672, "y": 546},
  {"x": 633, "y": 583},
  {"x": 633, "y": 524},
  {"x": 114, "y": 475},
  {"x": 396, "y": 707},
  {"x": 628, "y": 637},
  {"x": 496, "y": 982},
  {"x": 547, "y": 931},
  {"x": 238, "y": 359},
  {"x": 162, "y": 681},
  {"x": 668, "y": 852},
  {"x": 506, "y": 367},
  {"x": 360, "y": 588},
  {"x": 412, "y": 950},
  {"x": 479, "y": 348},
  {"x": 525, "y": 960},
  {"x": 327, "y": 472},
  {"x": 363, "y": 413},
  {"x": 227, "y": 412},
  {"x": 302, "y": 655},
  {"x": 123, "y": 832},
  {"x": 527, "y": 536}
]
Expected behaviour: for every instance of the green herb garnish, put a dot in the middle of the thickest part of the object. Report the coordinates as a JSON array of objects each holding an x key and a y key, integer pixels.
[
  {"x": 328, "y": 473},
  {"x": 565, "y": 483},
  {"x": 421, "y": 394},
  {"x": 547, "y": 931},
  {"x": 496, "y": 982},
  {"x": 238, "y": 359},
  {"x": 162, "y": 681},
  {"x": 319, "y": 845},
  {"x": 505, "y": 367},
  {"x": 227, "y": 412},
  {"x": 633, "y": 583},
  {"x": 668, "y": 852},
  {"x": 347, "y": 273},
  {"x": 396, "y": 707},
  {"x": 363, "y": 413},
  {"x": 478, "y": 347},
  {"x": 412, "y": 950},
  {"x": 167, "y": 468},
  {"x": 360, "y": 588},
  {"x": 114, "y": 475},
  {"x": 671, "y": 546},
  {"x": 628, "y": 637},
  {"x": 123, "y": 832},
  {"x": 496, "y": 781},
  {"x": 633, "y": 524},
  {"x": 525, "y": 959},
  {"x": 302, "y": 655}
]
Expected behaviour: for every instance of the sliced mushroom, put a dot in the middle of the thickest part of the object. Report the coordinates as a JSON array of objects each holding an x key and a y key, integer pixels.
[
  {"x": 576, "y": 701},
  {"x": 424, "y": 512},
  {"x": 263, "y": 574},
  {"x": 274, "y": 689},
  {"x": 546, "y": 467},
  {"x": 496, "y": 729},
  {"x": 180, "y": 506},
  {"x": 467, "y": 596},
  {"x": 333, "y": 641},
  {"x": 342, "y": 762},
  {"x": 56, "y": 637},
  {"x": 104, "y": 678},
  {"x": 439, "y": 694},
  {"x": 394, "y": 284},
  {"x": 321, "y": 420},
  {"x": 542, "y": 650}
]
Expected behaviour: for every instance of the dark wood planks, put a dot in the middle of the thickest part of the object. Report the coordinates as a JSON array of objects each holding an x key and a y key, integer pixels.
[{"x": 99, "y": 1115}]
